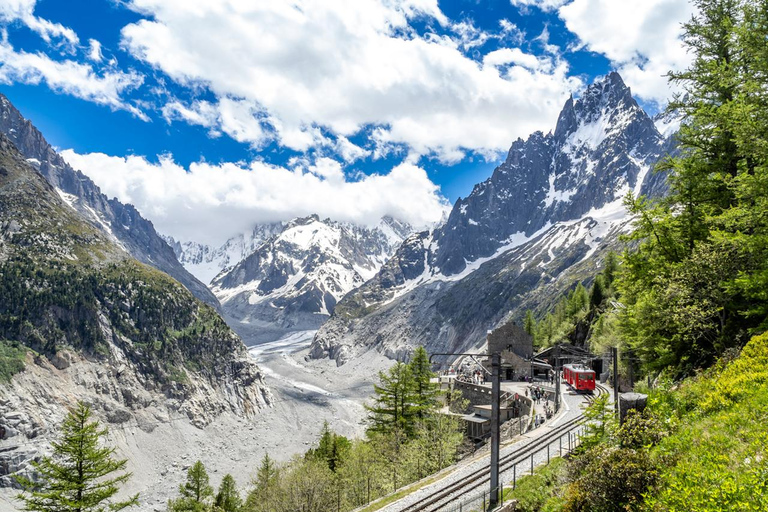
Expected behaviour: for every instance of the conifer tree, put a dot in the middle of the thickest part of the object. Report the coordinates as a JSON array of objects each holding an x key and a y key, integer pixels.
[
  {"x": 228, "y": 498},
  {"x": 195, "y": 494},
  {"x": 424, "y": 391},
  {"x": 393, "y": 408},
  {"x": 331, "y": 448},
  {"x": 81, "y": 476},
  {"x": 266, "y": 495},
  {"x": 530, "y": 323}
]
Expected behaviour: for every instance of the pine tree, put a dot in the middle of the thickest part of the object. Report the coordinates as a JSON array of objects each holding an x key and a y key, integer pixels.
[
  {"x": 195, "y": 493},
  {"x": 331, "y": 448},
  {"x": 597, "y": 295},
  {"x": 81, "y": 475},
  {"x": 530, "y": 323},
  {"x": 228, "y": 499}
]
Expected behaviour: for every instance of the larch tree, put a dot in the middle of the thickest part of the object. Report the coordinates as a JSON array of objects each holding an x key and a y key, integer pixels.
[
  {"x": 81, "y": 475},
  {"x": 228, "y": 498},
  {"x": 195, "y": 494}
]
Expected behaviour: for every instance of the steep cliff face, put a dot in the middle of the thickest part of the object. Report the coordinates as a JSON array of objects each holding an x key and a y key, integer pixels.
[
  {"x": 543, "y": 219},
  {"x": 122, "y": 223},
  {"x": 294, "y": 279},
  {"x": 89, "y": 322}
]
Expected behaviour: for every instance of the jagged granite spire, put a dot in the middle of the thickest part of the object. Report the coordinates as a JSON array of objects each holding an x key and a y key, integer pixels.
[{"x": 597, "y": 150}]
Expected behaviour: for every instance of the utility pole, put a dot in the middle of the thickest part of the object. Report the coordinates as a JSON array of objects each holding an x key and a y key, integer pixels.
[
  {"x": 557, "y": 379},
  {"x": 495, "y": 427},
  {"x": 495, "y": 419},
  {"x": 615, "y": 354}
]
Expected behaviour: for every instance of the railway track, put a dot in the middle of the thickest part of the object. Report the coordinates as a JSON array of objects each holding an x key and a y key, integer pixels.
[{"x": 443, "y": 497}]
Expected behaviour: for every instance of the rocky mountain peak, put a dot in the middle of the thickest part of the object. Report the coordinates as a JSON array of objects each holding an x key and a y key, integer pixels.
[
  {"x": 294, "y": 278},
  {"x": 601, "y": 146},
  {"x": 120, "y": 222},
  {"x": 553, "y": 205}
]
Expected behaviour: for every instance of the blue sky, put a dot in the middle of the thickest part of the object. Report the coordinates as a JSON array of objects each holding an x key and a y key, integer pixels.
[{"x": 210, "y": 116}]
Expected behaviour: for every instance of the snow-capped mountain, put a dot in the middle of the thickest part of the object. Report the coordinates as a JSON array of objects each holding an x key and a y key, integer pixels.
[
  {"x": 206, "y": 262},
  {"x": 293, "y": 279},
  {"x": 541, "y": 221}
]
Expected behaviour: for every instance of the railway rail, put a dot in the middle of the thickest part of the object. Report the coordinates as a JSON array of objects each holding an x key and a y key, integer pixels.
[{"x": 441, "y": 498}]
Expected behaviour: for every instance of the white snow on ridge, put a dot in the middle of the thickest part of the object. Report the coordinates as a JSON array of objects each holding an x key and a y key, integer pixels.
[
  {"x": 554, "y": 195},
  {"x": 70, "y": 199}
]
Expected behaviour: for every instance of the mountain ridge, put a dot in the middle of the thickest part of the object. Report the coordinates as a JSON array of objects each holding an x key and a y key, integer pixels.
[
  {"x": 95, "y": 324},
  {"x": 294, "y": 278},
  {"x": 121, "y": 222},
  {"x": 564, "y": 191}
]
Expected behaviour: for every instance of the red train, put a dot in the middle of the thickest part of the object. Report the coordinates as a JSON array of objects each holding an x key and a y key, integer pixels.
[{"x": 579, "y": 377}]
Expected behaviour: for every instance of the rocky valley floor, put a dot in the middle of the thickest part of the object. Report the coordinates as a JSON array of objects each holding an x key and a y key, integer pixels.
[{"x": 306, "y": 393}]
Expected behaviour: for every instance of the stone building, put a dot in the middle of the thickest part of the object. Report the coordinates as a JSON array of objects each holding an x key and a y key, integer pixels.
[{"x": 516, "y": 349}]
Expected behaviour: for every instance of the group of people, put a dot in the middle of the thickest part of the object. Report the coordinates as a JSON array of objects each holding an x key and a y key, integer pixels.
[
  {"x": 467, "y": 373},
  {"x": 537, "y": 394}
]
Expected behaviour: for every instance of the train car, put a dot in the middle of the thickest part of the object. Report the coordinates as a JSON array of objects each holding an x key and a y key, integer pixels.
[{"x": 579, "y": 377}]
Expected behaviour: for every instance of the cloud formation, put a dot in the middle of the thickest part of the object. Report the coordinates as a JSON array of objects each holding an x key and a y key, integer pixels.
[
  {"x": 23, "y": 11},
  {"x": 640, "y": 37},
  {"x": 210, "y": 203},
  {"x": 302, "y": 69},
  {"x": 69, "y": 77}
]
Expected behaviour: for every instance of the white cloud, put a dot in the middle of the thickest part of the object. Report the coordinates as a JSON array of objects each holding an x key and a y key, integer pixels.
[
  {"x": 70, "y": 77},
  {"x": 640, "y": 37},
  {"x": 507, "y": 56},
  {"x": 312, "y": 69},
  {"x": 94, "y": 50},
  {"x": 23, "y": 11},
  {"x": 544, "y": 5},
  {"x": 209, "y": 203}
]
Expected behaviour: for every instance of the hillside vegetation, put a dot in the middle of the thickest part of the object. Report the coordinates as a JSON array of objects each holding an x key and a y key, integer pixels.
[{"x": 701, "y": 445}]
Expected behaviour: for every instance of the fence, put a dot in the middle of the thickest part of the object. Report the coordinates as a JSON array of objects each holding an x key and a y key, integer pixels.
[{"x": 480, "y": 501}]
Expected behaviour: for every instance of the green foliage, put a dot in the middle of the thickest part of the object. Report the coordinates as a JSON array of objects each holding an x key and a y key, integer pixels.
[
  {"x": 12, "y": 356},
  {"x": 393, "y": 408},
  {"x": 424, "y": 392},
  {"x": 266, "y": 495},
  {"x": 47, "y": 306},
  {"x": 331, "y": 449},
  {"x": 81, "y": 475},
  {"x": 540, "y": 492},
  {"x": 574, "y": 316},
  {"x": 404, "y": 396},
  {"x": 530, "y": 323},
  {"x": 695, "y": 286},
  {"x": 610, "y": 479},
  {"x": 195, "y": 494},
  {"x": 228, "y": 498}
]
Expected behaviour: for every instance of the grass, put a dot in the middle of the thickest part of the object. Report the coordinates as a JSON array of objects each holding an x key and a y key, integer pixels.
[
  {"x": 405, "y": 491},
  {"x": 538, "y": 491},
  {"x": 12, "y": 356},
  {"x": 719, "y": 452}
]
